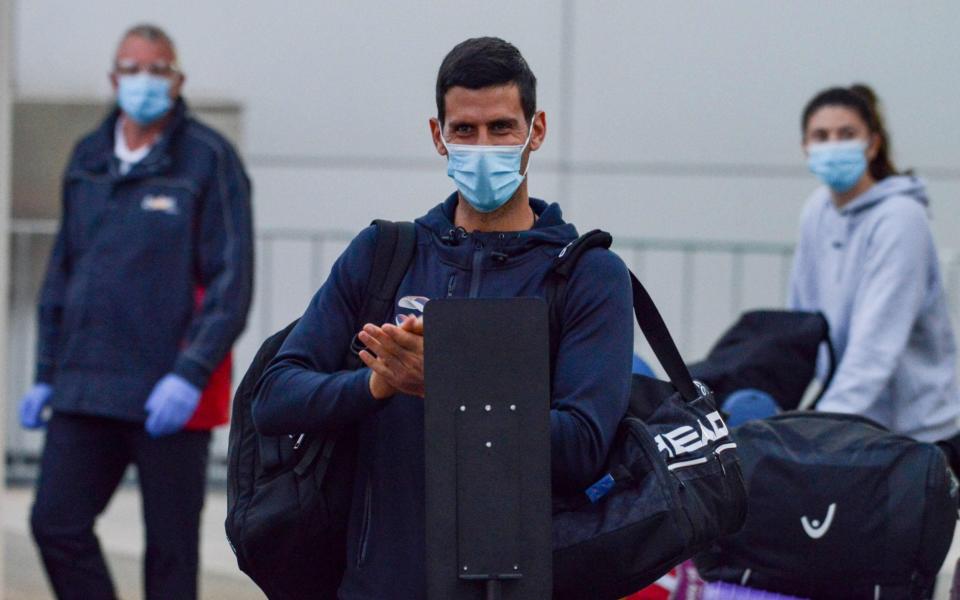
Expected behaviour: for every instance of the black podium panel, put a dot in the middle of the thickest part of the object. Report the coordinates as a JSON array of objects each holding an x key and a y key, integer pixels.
[{"x": 487, "y": 442}]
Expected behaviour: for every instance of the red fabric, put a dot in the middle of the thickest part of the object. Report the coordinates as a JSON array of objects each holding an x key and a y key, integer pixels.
[
  {"x": 214, "y": 407},
  {"x": 681, "y": 583},
  {"x": 658, "y": 591}
]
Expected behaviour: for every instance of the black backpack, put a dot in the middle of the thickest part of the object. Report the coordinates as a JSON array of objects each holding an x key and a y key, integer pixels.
[
  {"x": 288, "y": 497},
  {"x": 774, "y": 351},
  {"x": 672, "y": 483},
  {"x": 840, "y": 508}
]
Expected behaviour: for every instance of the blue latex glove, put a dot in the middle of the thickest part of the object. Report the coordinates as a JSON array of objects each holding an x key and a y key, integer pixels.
[
  {"x": 170, "y": 405},
  {"x": 32, "y": 404}
]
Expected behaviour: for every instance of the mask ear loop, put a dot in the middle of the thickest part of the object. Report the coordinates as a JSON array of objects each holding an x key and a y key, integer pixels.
[
  {"x": 527, "y": 143},
  {"x": 443, "y": 140}
]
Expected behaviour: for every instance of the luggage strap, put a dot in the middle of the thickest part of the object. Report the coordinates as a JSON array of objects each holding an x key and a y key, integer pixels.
[{"x": 648, "y": 316}]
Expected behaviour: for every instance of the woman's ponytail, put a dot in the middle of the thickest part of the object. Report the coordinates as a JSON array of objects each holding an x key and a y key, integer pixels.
[{"x": 882, "y": 165}]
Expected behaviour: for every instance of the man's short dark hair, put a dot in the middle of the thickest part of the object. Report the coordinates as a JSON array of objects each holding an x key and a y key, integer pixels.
[{"x": 483, "y": 62}]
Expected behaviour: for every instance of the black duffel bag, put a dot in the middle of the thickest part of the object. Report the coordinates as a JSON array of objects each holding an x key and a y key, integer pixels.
[
  {"x": 839, "y": 508},
  {"x": 673, "y": 483},
  {"x": 774, "y": 351}
]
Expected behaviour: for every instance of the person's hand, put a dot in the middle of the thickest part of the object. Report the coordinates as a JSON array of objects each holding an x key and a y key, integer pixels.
[
  {"x": 32, "y": 405},
  {"x": 170, "y": 405},
  {"x": 395, "y": 357}
]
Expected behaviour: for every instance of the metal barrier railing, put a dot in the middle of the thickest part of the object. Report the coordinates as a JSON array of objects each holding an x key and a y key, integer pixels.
[{"x": 701, "y": 286}]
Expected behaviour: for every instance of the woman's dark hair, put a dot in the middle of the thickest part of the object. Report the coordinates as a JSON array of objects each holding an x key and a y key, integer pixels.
[
  {"x": 481, "y": 62},
  {"x": 860, "y": 98}
]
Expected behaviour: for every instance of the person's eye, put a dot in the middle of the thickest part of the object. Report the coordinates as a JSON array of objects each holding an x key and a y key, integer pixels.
[
  {"x": 462, "y": 129},
  {"x": 847, "y": 134}
]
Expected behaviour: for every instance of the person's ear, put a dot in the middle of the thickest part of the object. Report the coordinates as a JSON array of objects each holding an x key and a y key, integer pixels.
[
  {"x": 539, "y": 125},
  {"x": 436, "y": 130},
  {"x": 177, "y": 85},
  {"x": 114, "y": 81}
]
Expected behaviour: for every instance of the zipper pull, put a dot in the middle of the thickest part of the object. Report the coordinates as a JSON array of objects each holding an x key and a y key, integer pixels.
[
  {"x": 723, "y": 469},
  {"x": 450, "y": 285}
]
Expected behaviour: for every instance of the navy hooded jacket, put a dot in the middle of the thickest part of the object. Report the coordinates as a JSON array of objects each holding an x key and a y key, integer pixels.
[
  {"x": 118, "y": 306},
  {"x": 302, "y": 390}
]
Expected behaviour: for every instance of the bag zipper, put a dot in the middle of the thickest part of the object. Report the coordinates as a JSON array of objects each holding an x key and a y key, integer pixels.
[{"x": 722, "y": 448}]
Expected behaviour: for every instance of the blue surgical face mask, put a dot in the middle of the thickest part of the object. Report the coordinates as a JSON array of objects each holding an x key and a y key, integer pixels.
[
  {"x": 487, "y": 176},
  {"x": 840, "y": 165},
  {"x": 144, "y": 97}
]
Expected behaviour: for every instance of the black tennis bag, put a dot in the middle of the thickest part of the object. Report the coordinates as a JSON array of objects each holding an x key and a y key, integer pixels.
[
  {"x": 672, "y": 486},
  {"x": 774, "y": 351},
  {"x": 288, "y": 497},
  {"x": 840, "y": 508}
]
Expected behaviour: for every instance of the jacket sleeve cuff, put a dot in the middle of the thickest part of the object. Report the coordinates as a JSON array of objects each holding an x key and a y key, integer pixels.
[
  {"x": 197, "y": 374},
  {"x": 361, "y": 382}
]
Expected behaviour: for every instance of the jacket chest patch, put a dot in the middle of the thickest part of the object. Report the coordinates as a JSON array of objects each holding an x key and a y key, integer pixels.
[
  {"x": 160, "y": 203},
  {"x": 410, "y": 306}
]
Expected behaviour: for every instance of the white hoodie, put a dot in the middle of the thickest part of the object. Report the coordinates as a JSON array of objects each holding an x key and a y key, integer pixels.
[{"x": 872, "y": 269}]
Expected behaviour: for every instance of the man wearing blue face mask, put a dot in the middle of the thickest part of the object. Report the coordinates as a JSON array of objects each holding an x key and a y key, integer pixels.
[
  {"x": 147, "y": 288},
  {"x": 488, "y": 239}
]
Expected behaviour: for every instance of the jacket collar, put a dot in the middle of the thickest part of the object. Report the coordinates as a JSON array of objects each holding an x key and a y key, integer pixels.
[
  {"x": 456, "y": 246},
  {"x": 98, "y": 157}
]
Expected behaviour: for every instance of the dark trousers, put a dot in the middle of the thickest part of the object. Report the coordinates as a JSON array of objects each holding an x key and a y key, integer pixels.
[{"x": 84, "y": 459}]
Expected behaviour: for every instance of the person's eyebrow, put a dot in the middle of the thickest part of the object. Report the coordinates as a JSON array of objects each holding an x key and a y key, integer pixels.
[
  {"x": 454, "y": 123},
  {"x": 504, "y": 121}
]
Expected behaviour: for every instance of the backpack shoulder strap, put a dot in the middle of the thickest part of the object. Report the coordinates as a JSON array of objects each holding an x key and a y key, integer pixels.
[
  {"x": 396, "y": 242},
  {"x": 561, "y": 270},
  {"x": 394, "y": 250}
]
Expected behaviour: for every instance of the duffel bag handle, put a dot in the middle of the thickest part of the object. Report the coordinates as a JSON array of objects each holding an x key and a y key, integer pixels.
[{"x": 660, "y": 340}]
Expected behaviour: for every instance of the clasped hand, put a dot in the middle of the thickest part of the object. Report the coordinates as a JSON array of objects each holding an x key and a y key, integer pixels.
[{"x": 395, "y": 357}]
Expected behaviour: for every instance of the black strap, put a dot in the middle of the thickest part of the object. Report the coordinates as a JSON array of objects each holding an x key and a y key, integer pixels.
[
  {"x": 310, "y": 454},
  {"x": 391, "y": 258},
  {"x": 567, "y": 259},
  {"x": 556, "y": 290},
  {"x": 831, "y": 363},
  {"x": 648, "y": 316},
  {"x": 392, "y": 255},
  {"x": 660, "y": 340}
]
